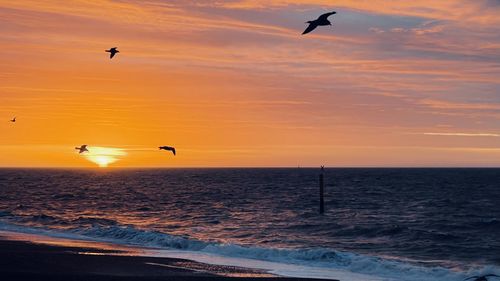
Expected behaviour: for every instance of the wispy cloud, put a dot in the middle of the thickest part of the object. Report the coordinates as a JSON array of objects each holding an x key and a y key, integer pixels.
[
  {"x": 462, "y": 134},
  {"x": 442, "y": 104}
]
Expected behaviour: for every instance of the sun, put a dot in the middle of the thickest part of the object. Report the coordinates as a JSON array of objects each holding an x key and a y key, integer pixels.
[
  {"x": 102, "y": 160},
  {"x": 104, "y": 156}
]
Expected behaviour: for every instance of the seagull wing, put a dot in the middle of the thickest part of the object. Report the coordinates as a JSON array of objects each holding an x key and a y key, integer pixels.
[
  {"x": 471, "y": 277},
  {"x": 325, "y": 16},
  {"x": 112, "y": 54},
  {"x": 168, "y": 148},
  {"x": 310, "y": 28},
  {"x": 84, "y": 146}
]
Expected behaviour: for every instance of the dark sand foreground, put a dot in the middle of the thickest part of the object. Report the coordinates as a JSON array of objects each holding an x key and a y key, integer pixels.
[{"x": 24, "y": 260}]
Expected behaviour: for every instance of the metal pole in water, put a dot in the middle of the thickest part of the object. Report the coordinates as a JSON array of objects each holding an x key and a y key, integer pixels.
[{"x": 321, "y": 191}]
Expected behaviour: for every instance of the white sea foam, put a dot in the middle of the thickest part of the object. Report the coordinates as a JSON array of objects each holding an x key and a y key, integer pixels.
[{"x": 318, "y": 263}]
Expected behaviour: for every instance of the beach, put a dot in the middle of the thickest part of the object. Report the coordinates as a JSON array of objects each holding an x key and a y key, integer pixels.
[{"x": 44, "y": 258}]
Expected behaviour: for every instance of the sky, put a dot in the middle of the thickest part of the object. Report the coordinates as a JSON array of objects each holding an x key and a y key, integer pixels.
[{"x": 235, "y": 84}]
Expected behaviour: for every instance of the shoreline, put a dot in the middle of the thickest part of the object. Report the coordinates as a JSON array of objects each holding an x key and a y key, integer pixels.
[{"x": 34, "y": 257}]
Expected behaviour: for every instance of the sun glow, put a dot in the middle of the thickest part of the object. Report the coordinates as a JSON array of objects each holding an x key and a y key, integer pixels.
[{"x": 103, "y": 156}]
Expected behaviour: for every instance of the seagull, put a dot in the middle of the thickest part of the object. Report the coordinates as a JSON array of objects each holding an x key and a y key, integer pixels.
[
  {"x": 482, "y": 278},
  {"x": 321, "y": 21},
  {"x": 13, "y": 119},
  {"x": 112, "y": 52},
  {"x": 82, "y": 148},
  {"x": 169, "y": 148}
]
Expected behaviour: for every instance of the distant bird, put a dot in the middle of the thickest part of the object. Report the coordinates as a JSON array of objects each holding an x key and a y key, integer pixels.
[
  {"x": 82, "y": 148},
  {"x": 13, "y": 119},
  {"x": 112, "y": 52},
  {"x": 168, "y": 148},
  {"x": 482, "y": 277},
  {"x": 321, "y": 21}
]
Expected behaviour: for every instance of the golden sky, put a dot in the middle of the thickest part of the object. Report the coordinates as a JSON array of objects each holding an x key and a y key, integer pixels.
[{"x": 233, "y": 83}]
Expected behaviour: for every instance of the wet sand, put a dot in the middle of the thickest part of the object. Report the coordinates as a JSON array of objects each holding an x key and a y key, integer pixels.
[{"x": 26, "y": 260}]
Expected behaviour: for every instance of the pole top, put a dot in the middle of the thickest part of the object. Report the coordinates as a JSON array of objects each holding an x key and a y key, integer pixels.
[{"x": 322, "y": 168}]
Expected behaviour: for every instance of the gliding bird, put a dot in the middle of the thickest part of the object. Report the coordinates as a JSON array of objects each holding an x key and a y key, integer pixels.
[
  {"x": 13, "y": 119},
  {"x": 168, "y": 148},
  {"x": 112, "y": 52},
  {"x": 321, "y": 21},
  {"x": 82, "y": 148}
]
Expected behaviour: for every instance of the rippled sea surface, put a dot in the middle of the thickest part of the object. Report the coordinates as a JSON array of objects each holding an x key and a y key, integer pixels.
[{"x": 435, "y": 217}]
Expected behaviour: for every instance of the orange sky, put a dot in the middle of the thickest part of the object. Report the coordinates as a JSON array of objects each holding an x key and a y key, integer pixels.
[{"x": 233, "y": 83}]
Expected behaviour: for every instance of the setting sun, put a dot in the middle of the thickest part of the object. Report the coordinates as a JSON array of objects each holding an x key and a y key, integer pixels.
[{"x": 103, "y": 156}]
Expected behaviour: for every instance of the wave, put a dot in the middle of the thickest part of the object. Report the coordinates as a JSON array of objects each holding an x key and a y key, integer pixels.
[
  {"x": 93, "y": 221},
  {"x": 388, "y": 269},
  {"x": 42, "y": 220}
]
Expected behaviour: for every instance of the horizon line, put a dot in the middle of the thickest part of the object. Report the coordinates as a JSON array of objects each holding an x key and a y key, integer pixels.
[{"x": 248, "y": 167}]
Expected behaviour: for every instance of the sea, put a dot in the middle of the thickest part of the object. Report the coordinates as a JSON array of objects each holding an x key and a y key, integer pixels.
[{"x": 379, "y": 223}]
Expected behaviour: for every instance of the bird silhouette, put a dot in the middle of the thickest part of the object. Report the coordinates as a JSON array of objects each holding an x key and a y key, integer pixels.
[
  {"x": 82, "y": 148},
  {"x": 320, "y": 21},
  {"x": 481, "y": 277},
  {"x": 112, "y": 52},
  {"x": 13, "y": 119},
  {"x": 168, "y": 148}
]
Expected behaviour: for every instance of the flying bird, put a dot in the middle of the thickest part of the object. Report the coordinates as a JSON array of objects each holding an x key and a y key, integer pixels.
[
  {"x": 112, "y": 52},
  {"x": 82, "y": 148},
  {"x": 168, "y": 148},
  {"x": 13, "y": 119},
  {"x": 482, "y": 277},
  {"x": 321, "y": 21}
]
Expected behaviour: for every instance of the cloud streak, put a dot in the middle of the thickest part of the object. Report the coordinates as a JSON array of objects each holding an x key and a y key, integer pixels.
[{"x": 462, "y": 134}]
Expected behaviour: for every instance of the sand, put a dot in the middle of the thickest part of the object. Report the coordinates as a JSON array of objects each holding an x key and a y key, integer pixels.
[{"x": 37, "y": 260}]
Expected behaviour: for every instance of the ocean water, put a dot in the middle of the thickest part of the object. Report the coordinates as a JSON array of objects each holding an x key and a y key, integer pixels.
[{"x": 392, "y": 224}]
